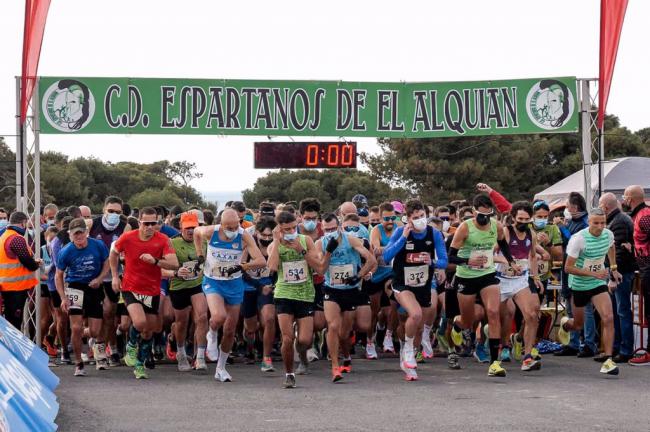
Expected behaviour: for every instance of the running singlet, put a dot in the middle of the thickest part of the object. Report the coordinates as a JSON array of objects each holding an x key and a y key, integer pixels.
[
  {"x": 294, "y": 274},
  {"x": 187, "y": 258},
  {"x": 222, "y": 256},
  {"x": 555, "y": 239},
  {"x": 260, "y": 277},
  {"x": 409, "y": 264},
  {"x": 478, "y": 243},
  {"x": 520, "y": 251},
  {"x": 344, "y": 263},
  {"x": 590, "y": 252},
  {"x": 384, "y": 270},
  {"x": 318, "y": 279}
]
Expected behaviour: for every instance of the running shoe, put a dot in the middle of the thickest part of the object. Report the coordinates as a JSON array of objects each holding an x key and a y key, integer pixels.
[
  {"x": 517, "y": 346},
  {"x": 183, "y": 363},
  {"x": 150, "y": 363},
  {"x": 388, "y": 342},
  {"x": 158, "y": 352},
  {"x": 530, "y": 364},
  {"x": 443, "y": 343},
  {"x": 65, "y": 358},
  {"x": 302, "y": 369},
  {"x": 114, "y": 360},
  {"x": 452, "y": 361},
  {"x": 504, "y": 355},
  {"x": 200, "y": 366},
  {"x": 371, "y": 352},
  {"x": 131, "y": 357},
  {"x": 212, "y": 351},
  {"x": 411, "y": 375},
  {"x": 99, "y": 352},
  {"x": 140, "y": 372},
  {"x": 336, "y": 375},
  {"x": 222, "y": 375},
  {"x": 409, "y": 359},
  {"x": 496, "y": 370},
  {"x": 427, "y": 349},
  {"x": 267, "y": 365},
  {"x": 171, "y": 348},
  {"x": 456, "y": 337},
  {"x": 609, "y": 367},
  {"x": 312, "y": 355},
  {"x": 79, "y": 370},
  {"x": 481, "y": 354},
  {"x": 563, "y": 336},
  {"x": 535, "y": 353},
  {"x": 419, "y": 357},
  {"x": 49, "y": 347},
  {"x": 347, "y": 366},
  {"x": 249, "y": 358},
  {"x": 640, "y": 360},
  {"x": 290, "y": 381}
]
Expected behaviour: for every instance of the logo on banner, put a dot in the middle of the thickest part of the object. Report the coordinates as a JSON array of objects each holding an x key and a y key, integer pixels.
[
  {"x": 68, "y": 105},
  {"x": 550, "y": 104}
]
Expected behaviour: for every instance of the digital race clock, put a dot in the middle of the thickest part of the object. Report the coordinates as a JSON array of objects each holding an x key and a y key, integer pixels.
[{"x": 305, "y": 154}]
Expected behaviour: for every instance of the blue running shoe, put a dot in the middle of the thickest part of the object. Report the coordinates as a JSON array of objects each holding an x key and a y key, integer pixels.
[
  {"x": 505, "y": 356},
  {"x": 481, "y": 354}
]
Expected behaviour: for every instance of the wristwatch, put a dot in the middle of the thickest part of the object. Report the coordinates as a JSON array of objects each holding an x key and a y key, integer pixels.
[{"x": 303, "y": 252}]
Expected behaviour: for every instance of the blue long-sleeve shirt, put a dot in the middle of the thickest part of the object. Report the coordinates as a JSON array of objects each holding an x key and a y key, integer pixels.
[{"x": 398, "y": 241}]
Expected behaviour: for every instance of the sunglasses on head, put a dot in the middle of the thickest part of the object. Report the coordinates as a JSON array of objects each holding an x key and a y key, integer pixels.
[{"x": 389, "y": 218}]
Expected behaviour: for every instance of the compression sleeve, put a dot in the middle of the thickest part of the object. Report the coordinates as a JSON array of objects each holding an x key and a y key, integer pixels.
[
  {"x": 395, "y": 244},
  {"x": 454, "y": 258},
  {"x": 441, "y": 251},
  {"x": 505, "y": 250}
]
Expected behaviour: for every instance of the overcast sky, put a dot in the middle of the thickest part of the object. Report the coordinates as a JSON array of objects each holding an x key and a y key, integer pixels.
[{"x": 347, "y": 40}]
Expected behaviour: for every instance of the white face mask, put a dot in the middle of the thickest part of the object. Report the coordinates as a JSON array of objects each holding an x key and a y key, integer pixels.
[
  {"x": 420, "y": 224},
  {"x": 445, "y": 226},
  {"x": 230, "y": 234}
]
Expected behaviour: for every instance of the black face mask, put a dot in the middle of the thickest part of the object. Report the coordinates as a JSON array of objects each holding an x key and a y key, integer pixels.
[
  {"x": 482, "y": 219},
  {"x": 265, "y": 243},
  {"x": 373, "y": 225},
  {"x": 521, "y": 227},
  {"x": 626, "y": 207},
  {"x": 365, "y": 225}
]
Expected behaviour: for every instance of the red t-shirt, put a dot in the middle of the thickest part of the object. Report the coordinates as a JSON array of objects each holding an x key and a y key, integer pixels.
[{"x": 141, "y": 277}]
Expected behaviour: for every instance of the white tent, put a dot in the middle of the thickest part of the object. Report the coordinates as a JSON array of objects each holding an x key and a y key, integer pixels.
[{"x": 618, "y": 174}]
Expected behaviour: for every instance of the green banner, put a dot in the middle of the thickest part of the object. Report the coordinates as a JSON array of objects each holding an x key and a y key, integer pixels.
[{"x": 311, "y": 108}]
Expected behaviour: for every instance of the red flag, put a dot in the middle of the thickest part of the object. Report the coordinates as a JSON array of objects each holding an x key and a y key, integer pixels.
[
  {"x": 612, "y": 14},
  {"x": 35, "y": 16}
]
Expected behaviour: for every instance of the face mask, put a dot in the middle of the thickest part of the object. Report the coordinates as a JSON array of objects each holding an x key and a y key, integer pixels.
[
  {"x": 230, "y": 234},
  {"x": 331, "y": 235},
  {"x": 420, "y": 224},
  {"x": 30, "y": 232},
  {"x": 445, "y": 225},
  {"x": 265, "y": 243},
  {"x": 567, "y": 214},
  {"x": 50, "y": 222},
  {"x": 309, "y": 225},
  {"x": 372, "y": 225},
  {"x": 112, "y": 219},
  {"x": 540, "y": 223},
  {"x": 365, "y": 225},
  {"x": 521, "y": 227},
  {"x": 4, "y": 223},
  {"x": 291, "y": 237},
  {"x": 626, "y": 207},
  {"x": 482, "y": 219}
]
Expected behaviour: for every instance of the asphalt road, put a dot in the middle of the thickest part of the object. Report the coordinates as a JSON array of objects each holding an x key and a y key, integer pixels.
[{"x": 568, "y": 394}]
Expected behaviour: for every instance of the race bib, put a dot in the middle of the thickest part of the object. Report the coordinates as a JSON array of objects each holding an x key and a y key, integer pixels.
[
  {"x": 190, "y": 266},
  {"x": 416, "y": 276},
  {"x": 510, "y": 272},
  {"x": 75, "y": 297},
  {"x": 295, "y": 272},
  {"x": 220, "y": 271},
  {"x": 259, "y": 273},
  {"x": 543, "y": 267},
  {"x": 482, "y": 253},
  {"x": 146, "y": 300},
  {"x": 339, "y": 273},
  {"x": 594, "y": 265}
]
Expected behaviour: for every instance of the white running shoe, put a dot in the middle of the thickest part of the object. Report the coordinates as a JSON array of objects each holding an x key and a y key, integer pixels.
[
  {"x": 183, "y": 363},
  {"x": 222, "y": 375},
  {"x": 212, "y": 350},
  {"x": 409, "y": 359},
  {"x": 79, "y": 371},
  {"x": 312, "y": 355},
  {"x": 302, "y": 369},
  {"x": 427, "y": 349},
  {"x": 200, "y": 365},
  {"x": 411, "y": 375},
  {"x": 371, "y": 352},
  {"x": 388, "y": 342}
]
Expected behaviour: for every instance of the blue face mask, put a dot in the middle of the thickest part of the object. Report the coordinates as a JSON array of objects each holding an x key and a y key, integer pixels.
[
  {"x": 309, "y": 225},
  {"x": 112, "y": 219},
  {"x": 291, "y": 237},
  {"x": 540, "y": 223},
  {"x": 331, "y": 235},
  {"x": 4, "y": 223}
]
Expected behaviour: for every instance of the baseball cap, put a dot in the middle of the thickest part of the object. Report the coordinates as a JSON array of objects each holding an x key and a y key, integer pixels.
[
  {"x": 360, "y": 200},
  {"x": 398, "y": 206},
  {"x": 199, "y": 215},
  {"x": 77, "y": 225},
  {"x": 189, "y": 220}
]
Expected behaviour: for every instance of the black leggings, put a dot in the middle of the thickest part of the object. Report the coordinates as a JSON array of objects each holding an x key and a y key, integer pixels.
[
  {"x": 14, "y": 305},
  {"x": 645, "y": 289}
]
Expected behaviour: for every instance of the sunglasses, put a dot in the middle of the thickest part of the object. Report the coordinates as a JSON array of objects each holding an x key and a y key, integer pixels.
[
  {"x": 114, "y": 211},
  {"x": 150, "y": 224},
  {"x": 352, "y": 228},
  {"x": 389, "y": 218}
]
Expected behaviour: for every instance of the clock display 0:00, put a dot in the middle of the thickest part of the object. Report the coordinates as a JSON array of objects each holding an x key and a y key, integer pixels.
[{"x": 334, "y": 154}]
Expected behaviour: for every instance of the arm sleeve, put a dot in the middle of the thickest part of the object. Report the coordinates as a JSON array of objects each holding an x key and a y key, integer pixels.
[
  {"x": 500, "y": 202},
  {"x": 19, "y": 247},
  {"x": 505, "y": 249},
  {"x": 441, "y": 251},
  {"x": 395, "y": 244},
  {"x": 576, "y": 246}
]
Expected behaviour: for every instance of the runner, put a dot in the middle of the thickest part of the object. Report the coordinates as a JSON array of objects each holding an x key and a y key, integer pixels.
[
  {"x": 222, "y": 281},
  {"x": 417, "y": 249},
  {"x": 293, "y": 256},
  {"x": 84, "y": 262},
  {"x": 187, "y": 296},
  {"x": 472, "y": 249},
  {"x": 108, "y": 228},
  {"x": 259, "y": 310},
  {"x": 341, "y": 264},
  {"x": 588, "y": 280},
  {"x": 146, "y": 252}
]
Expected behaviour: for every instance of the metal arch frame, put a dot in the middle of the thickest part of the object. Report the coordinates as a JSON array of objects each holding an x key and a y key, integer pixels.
[
  {"x": 593, "y": 141},
  {"x": 28, "y": 196}
]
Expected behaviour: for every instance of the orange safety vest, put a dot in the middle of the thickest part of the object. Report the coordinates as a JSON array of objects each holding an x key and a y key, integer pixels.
[{"x": 13, "y": 275}]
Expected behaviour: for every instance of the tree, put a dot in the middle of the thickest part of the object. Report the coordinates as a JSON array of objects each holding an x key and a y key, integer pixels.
[
  {"x": 183, "y": 172},
  {"x": 154, "y": 197}
]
